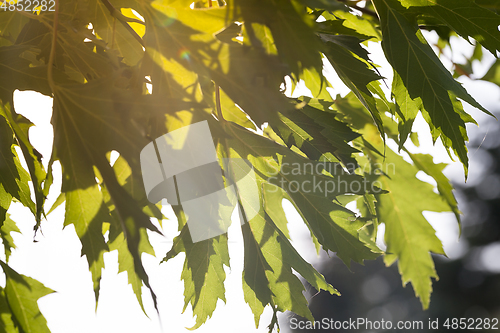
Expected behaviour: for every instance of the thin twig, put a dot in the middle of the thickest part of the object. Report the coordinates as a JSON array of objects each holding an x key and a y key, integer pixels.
[
  {"x": 116, "y": 13},
  {"x": 113, "y": 35},
  {"x": 31, "y": 16},
  {"x": 123, "y": 20},
  {"x": 361, "y": 9},
  {"x": 50, "y": 77},
  {"x": 365, "y": 11}
]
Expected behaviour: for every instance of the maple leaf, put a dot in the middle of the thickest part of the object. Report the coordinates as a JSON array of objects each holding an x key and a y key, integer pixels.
[{"x": 123, "y": 73}]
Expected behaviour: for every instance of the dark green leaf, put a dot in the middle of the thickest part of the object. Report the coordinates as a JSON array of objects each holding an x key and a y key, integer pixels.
[
  {"x": 464, "y": 16},
  {"x": 424, "y": 76}
]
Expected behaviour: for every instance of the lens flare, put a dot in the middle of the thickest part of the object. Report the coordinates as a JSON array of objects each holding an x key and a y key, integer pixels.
[{"x": 184, "y": 54}]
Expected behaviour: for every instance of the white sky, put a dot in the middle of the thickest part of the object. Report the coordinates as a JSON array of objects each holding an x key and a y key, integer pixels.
[{"x": 55, "y": 259}]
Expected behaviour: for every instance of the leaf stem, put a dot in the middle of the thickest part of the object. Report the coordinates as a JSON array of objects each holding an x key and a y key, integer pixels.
[
  {"x": 217, "y": 104},
  {"x": 50, "y": 77}
]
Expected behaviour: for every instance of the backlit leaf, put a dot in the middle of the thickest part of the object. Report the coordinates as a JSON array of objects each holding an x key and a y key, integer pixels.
[
  {"x": 424, "y": 76},
  {"x": 464, "y": 16},
  {"x": 22, "y": 293},
  {"x": 7, "y": 228}
]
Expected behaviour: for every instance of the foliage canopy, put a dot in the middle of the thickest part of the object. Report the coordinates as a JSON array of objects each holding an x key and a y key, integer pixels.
[{"x": 122, "y": 73}]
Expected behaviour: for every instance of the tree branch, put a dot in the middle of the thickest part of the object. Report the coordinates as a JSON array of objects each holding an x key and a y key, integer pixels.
[{"x": 50, "y": 77}]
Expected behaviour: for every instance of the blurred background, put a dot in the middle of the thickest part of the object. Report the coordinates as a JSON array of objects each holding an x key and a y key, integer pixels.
[{"x": 469, "y": 279}]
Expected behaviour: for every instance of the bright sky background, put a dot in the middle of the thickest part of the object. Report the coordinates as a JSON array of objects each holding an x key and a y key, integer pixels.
[{"x": 55, "y": 258}]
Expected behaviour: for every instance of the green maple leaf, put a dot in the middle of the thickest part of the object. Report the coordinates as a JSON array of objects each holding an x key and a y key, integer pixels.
[
  {"x": 126, "y": 260},
  {"x": 183, "y": 52},
  {"x": 351, "y": 64},
  {"x": 7, "y": 324},
  {"x": 493, "y": 74},
  {"x": 492, "y": 5},
  {"x": 86, "y": 211},
  {"x": 424, "y": 162},
  {"x": 351, "y": 24},
  {"x": 108, "y": 28},
  {"x": 80, "y": 112},
  {"x": 18, "y": 74},
  {"x": 11, "y": 25},
  {"x": 424, "y": 76},
  {"x": 273, "y": 199},
  {"x": 117, "y": 240},
  {"x": 406, "y": 108},
  {"x": 333, "y": 225},
  {"x": 316, "y": 133},
  {"x": 464, "y": 16},
  {"x": 260, "y": 36},
  {"x": 409, "y": 237},
  {"x": 203, "y": 271},
  {"x": 20, "y": 126},
  {"x": 13, "y": 178},
  {"x": 273, "y": 205},
  {"x": 291, "y": 28},
  {"x": 268, "y": 278},
  {"x": 22, "y": 293},
  {"x": 7, "y": 228}
]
